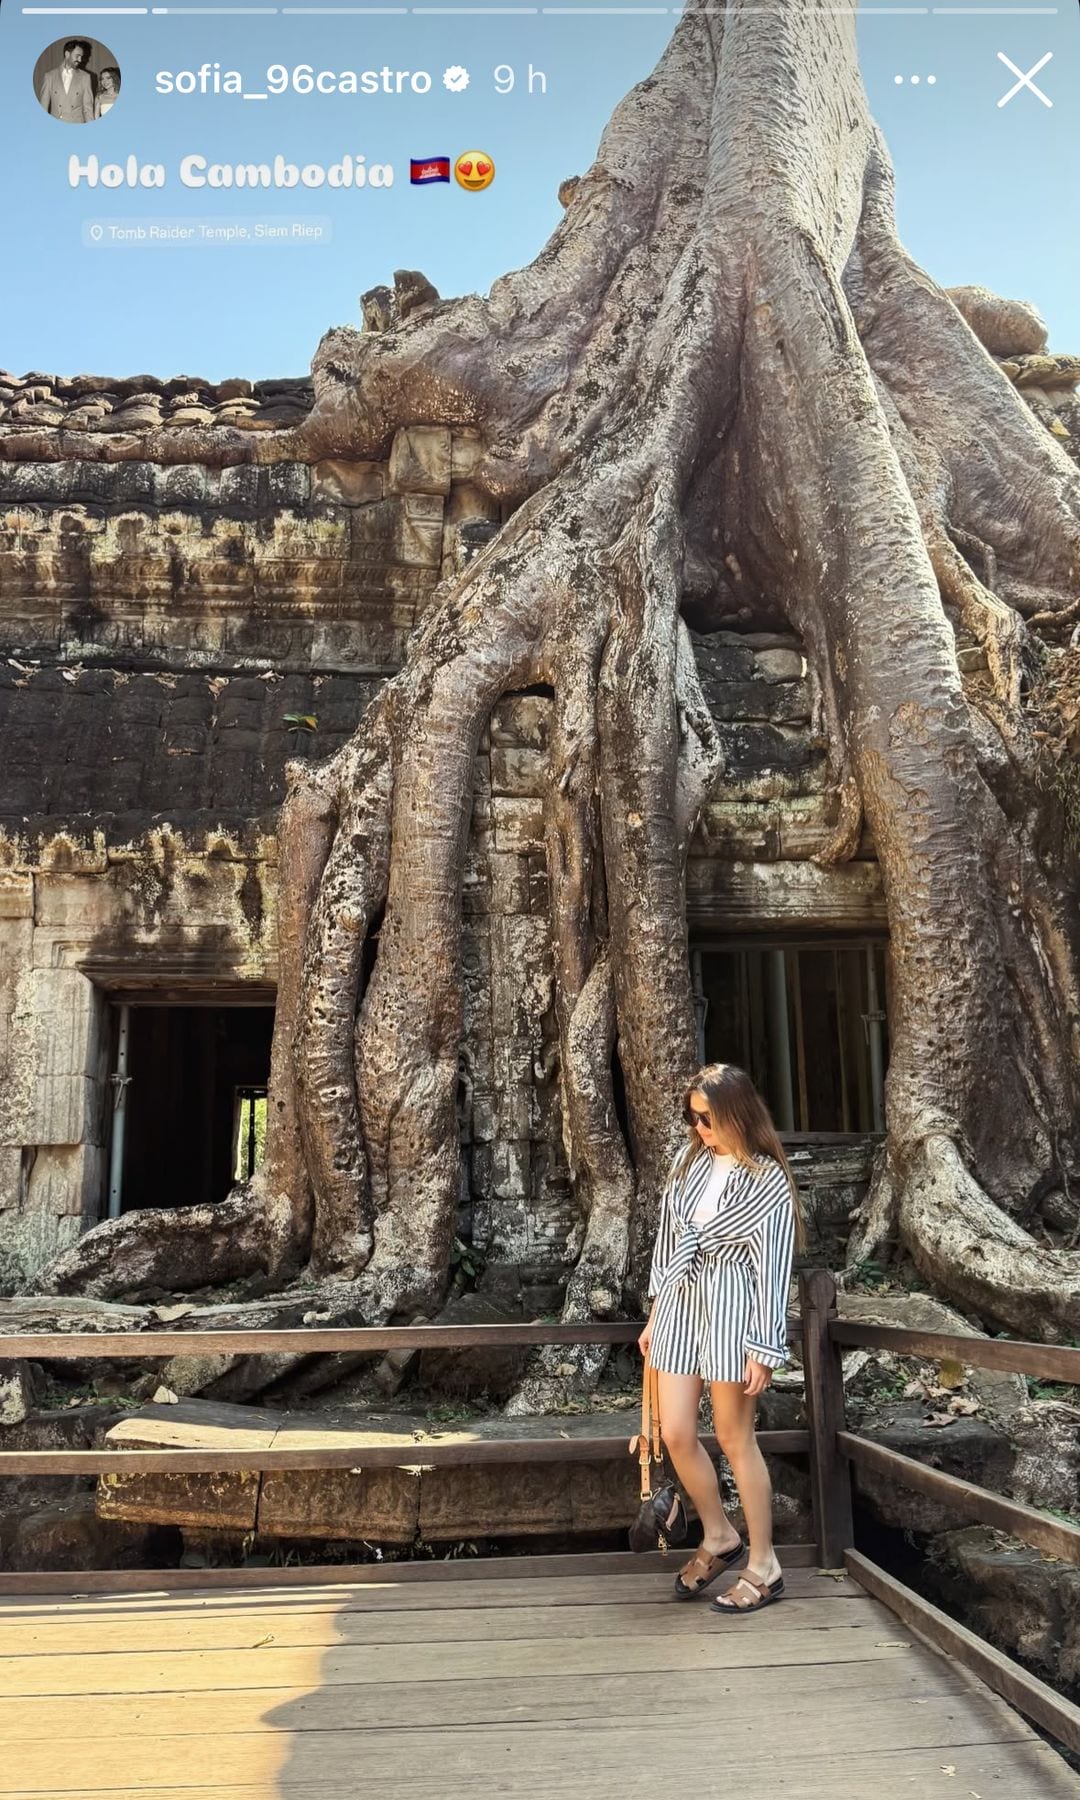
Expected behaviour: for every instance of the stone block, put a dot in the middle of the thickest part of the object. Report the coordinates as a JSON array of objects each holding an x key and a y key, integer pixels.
[
  {"x": 521, "y": 955},
  {"x": 69, "y": 855},
  {"x": 69, "y": 1535},
  {"x": 722, "y": 656},
  {"x": 475, "y": 885},
  {"x": 238, "y": 487},
  {"x": 523, "y": 720},
  {"x": 749, "y": 896},
  {"x": 67, "y": 1181},
  {"x": 79, "y": 901},
  {"x": 16, "y": 896},
  {"x": 500, "y": 1500},
  {"x": 461, "y": 543},
  {"x": 17, "y": 1390},
  {"x": 11, "y": 1177},
  {"x": 29, "y": 1240},
  {"x": 773, "y": 702},
  {"x": 469, "y": 505},
  {"x": 764, "y": 758},
  {"x": 341, "y": 483},
  {"x": 381, "y": 1505},
  {"x": 971, "y": 659},
  {"x": 539, "y": 893},
  {"x": 998, "y": 1392},
  {"x": 510, "y": 876},
  {"x": 288, "y": 486},
  {"x": 604, "y": 1496},
  {"x": 971, "y": 1449},
  {"x": 67, "y": 1023},
  {"x": 518, "y": 772},
  {"x": 510, "y": 1171},
  {"x": 519, "y": 823},
  {"x": 419, "y": 531},
  {"x": 66, "y": 1109},
  {"x": 780, "y": 665},
  {"x": 466, "y": 451},
  {"x": 420, "y": 460},
  {"x": 492, "y": 1371},
  {"x": 484, "y": 1119},
  {"x": 225, "y": 1501}
]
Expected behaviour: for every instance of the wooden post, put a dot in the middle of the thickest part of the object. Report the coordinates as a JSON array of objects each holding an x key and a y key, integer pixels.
[{"x": 830, "y": 1475}]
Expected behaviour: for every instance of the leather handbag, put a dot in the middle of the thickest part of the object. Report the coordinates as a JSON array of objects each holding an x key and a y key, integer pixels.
[{"x": 661, "y": 1518}]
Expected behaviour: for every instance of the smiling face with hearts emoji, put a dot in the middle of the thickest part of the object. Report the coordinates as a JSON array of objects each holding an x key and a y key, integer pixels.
[{"x": 474, "y": 171}]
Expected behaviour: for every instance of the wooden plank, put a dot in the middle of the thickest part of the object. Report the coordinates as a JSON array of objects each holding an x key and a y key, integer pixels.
[
  {"x": 189, "y": 1620},
  {"x": 1057, "y": 1715},
  {"x": 830, "y": 1477},
  {"x": 304, "y": 1630},
  {"x": 427, "y": 1704},
  {"x": 615, "y": 1577},
  {"x": 1052, "y": 1536},
  {"x": 158, "y": 1581},
  {"x": 623, "y": 1748},
  {"x": 429, "y": 1453},
  {"x": 306, "y": 1339},
  {"x": 1046, "y": 1362},
  {"x": 821, "y": 1638},
  {"x": 45, "y": 1346},
  {"x": 1020, "y": 1770}
]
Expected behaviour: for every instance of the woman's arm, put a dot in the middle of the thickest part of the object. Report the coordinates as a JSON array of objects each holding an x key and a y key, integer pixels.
[
  {"x": 771, "y": 1246},
  {"x": 664, "y": 1247},
  {"x": 662, "y": 1252}
]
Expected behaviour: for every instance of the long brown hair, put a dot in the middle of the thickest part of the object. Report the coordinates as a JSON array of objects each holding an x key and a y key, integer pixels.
[{"x": 739, "y": 1115}]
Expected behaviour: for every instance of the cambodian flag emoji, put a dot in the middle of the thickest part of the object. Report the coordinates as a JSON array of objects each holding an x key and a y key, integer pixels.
[{"x": 425, "y": 169}]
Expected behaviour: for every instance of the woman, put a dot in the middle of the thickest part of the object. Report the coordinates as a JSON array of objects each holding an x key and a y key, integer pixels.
[
  {"x": 719, "y": 1285},
  {"x": 108, "y": 91}
]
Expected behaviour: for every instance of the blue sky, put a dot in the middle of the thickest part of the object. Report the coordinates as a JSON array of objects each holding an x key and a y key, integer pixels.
[{"x": 986, "y": 194}]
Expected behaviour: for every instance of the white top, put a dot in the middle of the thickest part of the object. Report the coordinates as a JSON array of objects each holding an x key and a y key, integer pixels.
[
  {"x": 65, "y": 76},
  {"x": 713, "y": 1192}
]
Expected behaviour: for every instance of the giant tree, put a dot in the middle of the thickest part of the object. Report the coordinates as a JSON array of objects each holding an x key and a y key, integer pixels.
[{"x": 722, "y": 375}]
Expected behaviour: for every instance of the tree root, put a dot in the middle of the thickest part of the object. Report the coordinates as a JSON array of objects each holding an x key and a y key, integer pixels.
[
  {"x": 179, "y": 1248},
  {"x": 972, "y": 1250}
]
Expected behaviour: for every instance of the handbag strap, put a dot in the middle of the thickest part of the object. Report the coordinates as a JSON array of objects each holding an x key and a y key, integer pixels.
[
  {"x": 647, "y": 1442},
  {"x": 654, "y": 1407}
]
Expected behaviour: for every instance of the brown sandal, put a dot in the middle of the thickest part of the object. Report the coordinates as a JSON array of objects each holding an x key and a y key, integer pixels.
[
  {"x": 767, "y": 1591},
  {"x": 708, "y": 1566}
]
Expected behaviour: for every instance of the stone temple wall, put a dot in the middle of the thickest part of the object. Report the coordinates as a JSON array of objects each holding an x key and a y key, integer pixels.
[{"x": 162, "y": 626}]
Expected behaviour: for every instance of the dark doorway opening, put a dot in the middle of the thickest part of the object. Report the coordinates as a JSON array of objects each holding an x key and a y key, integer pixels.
[
  {"x": 806, "y": 1019},
  {"x": 194, "y": 1102}
]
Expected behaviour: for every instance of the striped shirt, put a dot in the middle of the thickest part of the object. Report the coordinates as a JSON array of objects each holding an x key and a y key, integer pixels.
[{"x": 751, "y": 1234}]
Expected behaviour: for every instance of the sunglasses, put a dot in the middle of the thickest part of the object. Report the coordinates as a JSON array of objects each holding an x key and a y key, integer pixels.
[{"x": 694, "y": 1117}]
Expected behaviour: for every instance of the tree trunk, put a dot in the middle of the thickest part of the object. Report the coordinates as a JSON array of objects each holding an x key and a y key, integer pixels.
[{"x": 723, "y": 361}]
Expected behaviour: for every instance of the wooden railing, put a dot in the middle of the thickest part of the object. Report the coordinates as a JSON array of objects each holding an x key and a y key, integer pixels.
[
  {"x": 303, "y": 1340},
  {"x": 831, "y": 1448},
  {"x": 839, "y": 1449}
]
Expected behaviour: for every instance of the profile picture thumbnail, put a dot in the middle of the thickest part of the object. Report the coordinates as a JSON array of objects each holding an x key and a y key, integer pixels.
[{"x": 77, "y": 80}]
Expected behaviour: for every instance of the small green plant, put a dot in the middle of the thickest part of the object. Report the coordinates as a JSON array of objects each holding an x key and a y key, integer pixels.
[
  {"x": 301, "y": 727},
  {"x": 450, "y": 1412},
  {"x": 466, "y": 1261},
  {"x": 1052, "y": 1390}
]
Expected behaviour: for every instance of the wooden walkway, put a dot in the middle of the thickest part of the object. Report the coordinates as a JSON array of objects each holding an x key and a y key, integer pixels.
[{"x": 523, "y": 1684}]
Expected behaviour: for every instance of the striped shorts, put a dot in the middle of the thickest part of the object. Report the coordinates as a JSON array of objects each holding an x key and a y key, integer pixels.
[{"x": 701, "y": 1328}]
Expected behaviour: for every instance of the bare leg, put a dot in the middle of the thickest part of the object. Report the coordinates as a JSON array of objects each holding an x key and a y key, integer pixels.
[
  {"x": 733, "y": 1416},
  {"x": 680, "y": 1399}
]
